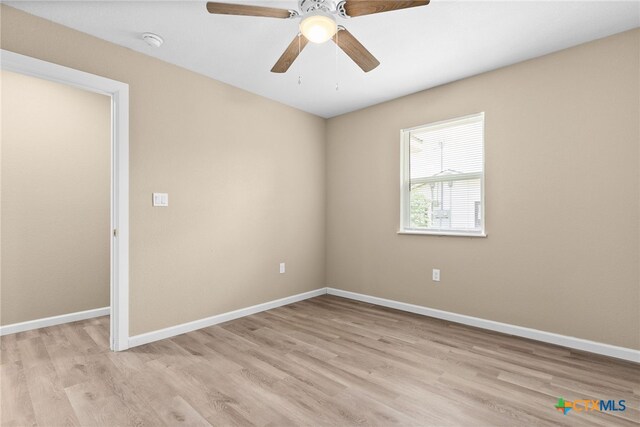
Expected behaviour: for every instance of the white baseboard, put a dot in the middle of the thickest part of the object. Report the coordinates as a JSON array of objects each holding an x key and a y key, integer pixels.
[
  {"x": 54, "y": 320},
  {"x": 519, "y": 331},
  {"x": 172, "y": 331}
]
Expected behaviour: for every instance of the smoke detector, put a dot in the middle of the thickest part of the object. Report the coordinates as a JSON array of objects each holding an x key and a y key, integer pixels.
[{"x": 152, "y": 40}]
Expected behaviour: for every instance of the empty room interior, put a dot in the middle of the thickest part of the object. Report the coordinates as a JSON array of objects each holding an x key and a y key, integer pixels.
[{"x": 320, "y": 213}]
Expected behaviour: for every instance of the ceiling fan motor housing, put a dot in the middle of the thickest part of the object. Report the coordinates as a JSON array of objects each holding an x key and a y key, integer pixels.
[{"x": 310, "y": 6}]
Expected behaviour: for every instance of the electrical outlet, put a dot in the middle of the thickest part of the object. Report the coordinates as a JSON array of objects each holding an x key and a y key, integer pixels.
[
  {"x": 436, "y": 275},
  {"x": 282, "y": 269}
]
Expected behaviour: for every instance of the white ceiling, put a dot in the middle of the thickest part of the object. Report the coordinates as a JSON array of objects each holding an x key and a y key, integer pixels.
[{"x": 418, "y": 48}]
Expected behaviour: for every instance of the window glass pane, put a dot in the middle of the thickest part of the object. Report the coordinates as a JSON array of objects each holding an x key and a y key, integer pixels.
[
  {"x": 446, "y": 162},
  {"x": 447, "y": 150},
  {"x": 446, "y": 205}
]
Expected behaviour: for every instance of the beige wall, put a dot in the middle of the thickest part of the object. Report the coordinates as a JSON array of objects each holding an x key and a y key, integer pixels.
[
  {"x": 55, "y": 199},
  {"x": 562, "y": 197},
  {"x": 245, "y": 177}
]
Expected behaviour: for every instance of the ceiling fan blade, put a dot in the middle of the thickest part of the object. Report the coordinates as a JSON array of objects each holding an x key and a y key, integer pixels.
[
  {"x": 355, "y": 50},
  {"x": 247, "y": 10},
  {"x": 290, "y": 54},
  {"x": 367, "y": 7}
]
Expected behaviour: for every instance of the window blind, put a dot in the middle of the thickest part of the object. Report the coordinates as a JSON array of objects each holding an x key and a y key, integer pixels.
[{"x": 443, "y": 176}]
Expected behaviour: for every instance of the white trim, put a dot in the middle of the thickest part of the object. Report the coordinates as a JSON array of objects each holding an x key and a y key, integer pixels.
[
  {"x": 447, "y": 178},
  {"x": 119, "y": 93},
  {"x": 120, "y": 220},
  {"x": 519, "y": 331},
  {"x": 441, "y": 233},
  {"x": 53, "y": 320},
  {"x": 405, "y": 182},
  {"x": 172, "y": 331}
]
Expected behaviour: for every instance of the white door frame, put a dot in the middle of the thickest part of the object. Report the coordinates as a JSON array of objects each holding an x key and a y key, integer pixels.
[{"x": 119, "y": 93}]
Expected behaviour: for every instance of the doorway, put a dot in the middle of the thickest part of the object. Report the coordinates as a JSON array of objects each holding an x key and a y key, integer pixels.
[{"x": 65, "y": 219}]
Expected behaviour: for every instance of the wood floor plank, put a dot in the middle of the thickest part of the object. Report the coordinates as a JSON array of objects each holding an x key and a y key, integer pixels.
[
  {"x": 178, "y": 412},
  {"x": 50, "y": 403},
  {"x": 231, "y": 398},
  {"x": 323, "y": 361},
  {"x": 98, "y": 334},
  {"x": 94, "y": 404},
  {"x": 16, "y": 408},
  {"x": 70, "y": 365},
  {"x": 9, "y": 350},
  {"x": 33, "y": 352}
]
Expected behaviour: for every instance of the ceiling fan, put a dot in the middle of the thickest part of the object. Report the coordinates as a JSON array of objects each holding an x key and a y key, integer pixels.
[{"x": 318, "y": 25}]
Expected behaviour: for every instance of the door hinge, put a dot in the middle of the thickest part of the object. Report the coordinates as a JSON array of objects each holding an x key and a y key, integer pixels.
[{"x": 115, "y": 232}]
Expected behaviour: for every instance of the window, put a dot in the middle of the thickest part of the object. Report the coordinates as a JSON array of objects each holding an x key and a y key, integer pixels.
[{"x": 443, "y": 178}]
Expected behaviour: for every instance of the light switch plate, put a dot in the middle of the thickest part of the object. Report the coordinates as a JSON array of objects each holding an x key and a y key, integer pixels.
[{"x": 160, "y": 199}]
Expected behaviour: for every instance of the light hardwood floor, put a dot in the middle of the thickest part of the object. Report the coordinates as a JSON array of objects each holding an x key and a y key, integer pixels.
[{"x": 324, "y": 361}]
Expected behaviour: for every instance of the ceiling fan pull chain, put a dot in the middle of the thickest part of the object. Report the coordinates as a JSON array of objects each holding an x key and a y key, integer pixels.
[{"x": 336, "y": 43}]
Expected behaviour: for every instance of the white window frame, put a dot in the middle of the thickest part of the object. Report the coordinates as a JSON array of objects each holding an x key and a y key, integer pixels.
[
  {"x": 405, "y": 214},
  {"x": 119, "y": 93}
]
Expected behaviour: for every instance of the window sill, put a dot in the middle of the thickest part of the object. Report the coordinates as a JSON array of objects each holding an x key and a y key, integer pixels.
[{"x": 442, "y": 233}]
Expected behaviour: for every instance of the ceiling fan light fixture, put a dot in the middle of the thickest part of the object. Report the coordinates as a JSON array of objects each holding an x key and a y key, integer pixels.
[{"x": 318, "y": 27}]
